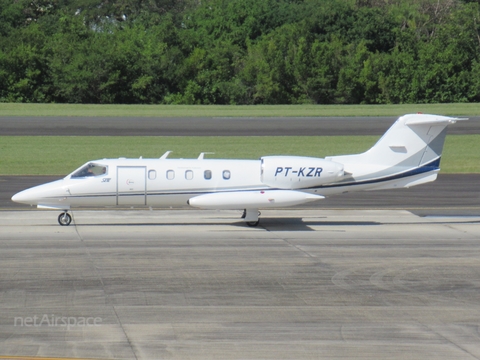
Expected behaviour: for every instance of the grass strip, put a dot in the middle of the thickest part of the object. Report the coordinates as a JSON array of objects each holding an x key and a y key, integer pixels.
[
  {"x": 55, "y": 155},
  {"x": 89, "y": 110}
]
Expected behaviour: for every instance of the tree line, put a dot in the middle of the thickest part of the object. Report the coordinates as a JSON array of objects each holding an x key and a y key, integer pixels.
[{"x": 240, "y": 51}]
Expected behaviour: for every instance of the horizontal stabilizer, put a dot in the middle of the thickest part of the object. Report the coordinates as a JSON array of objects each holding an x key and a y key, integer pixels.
[
  {"x": 426, "y": 119},
  {"x": 259, "y": 199}
]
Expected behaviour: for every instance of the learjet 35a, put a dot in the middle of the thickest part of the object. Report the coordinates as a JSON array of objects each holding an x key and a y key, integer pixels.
[{"x": 407, "y": 155}]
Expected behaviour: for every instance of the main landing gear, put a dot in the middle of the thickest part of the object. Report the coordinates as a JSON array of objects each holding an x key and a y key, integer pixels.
[
  {"x": 250, "y": 216},
  {"x": 64, "y": 219}
]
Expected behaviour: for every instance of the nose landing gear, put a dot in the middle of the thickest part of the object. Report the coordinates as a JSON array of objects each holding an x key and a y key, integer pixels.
[{"x": 64, "y": 219}]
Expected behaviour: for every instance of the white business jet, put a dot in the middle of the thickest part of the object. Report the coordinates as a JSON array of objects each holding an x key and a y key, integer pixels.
[{"x": 408, "y": 154}]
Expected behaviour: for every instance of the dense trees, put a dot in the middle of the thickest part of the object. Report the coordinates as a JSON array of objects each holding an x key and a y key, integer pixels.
[{"x": 239, "y": 51}]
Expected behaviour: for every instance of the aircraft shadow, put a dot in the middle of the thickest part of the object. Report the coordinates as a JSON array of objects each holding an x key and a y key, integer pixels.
[
  {"x": 280, "y": 224},
  {"x": 271, "y": 224},
  {"x": 299, "y": 224}
]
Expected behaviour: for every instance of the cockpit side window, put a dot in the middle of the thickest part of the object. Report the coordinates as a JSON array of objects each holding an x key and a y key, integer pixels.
[{"x": 91, "y": 169}]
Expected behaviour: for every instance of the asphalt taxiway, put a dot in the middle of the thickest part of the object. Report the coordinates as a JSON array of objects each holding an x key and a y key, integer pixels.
[
  {"x": 228, "y": 126},
  {"x": 305, "y": 284}
]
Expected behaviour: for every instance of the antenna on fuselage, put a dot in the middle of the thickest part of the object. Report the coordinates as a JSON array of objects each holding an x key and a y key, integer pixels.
[
  {"x": 164, "y": 156},
  {"x": 200, "y": 157}
]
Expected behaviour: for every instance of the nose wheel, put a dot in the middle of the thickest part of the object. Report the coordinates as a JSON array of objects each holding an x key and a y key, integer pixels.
[{"x": 64, "y": 219}]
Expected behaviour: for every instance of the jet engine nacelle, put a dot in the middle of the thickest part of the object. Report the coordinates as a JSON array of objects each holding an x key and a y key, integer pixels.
[{"x": 294, "y": 172}]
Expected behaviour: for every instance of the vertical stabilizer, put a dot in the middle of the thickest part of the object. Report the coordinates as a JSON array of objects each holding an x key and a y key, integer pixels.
[{"x": 414, "y": 141}]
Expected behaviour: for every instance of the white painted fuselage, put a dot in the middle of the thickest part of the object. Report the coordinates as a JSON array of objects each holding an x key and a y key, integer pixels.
[
  {"x": 407, "y": 155},
  {"x": 167, "y": 183}
]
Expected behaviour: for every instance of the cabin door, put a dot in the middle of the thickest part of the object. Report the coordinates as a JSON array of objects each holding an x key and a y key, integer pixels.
[{"x": 131, "y": 185}]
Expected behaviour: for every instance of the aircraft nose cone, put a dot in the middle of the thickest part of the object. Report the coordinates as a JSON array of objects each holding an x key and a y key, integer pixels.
[
  {"x": 15, "y": 197},
  {"x": 47, "y": 195},
  {"x": 22, "y": 197}
]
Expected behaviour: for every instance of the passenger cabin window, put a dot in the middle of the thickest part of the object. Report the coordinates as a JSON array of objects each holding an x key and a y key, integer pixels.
[
  {"x": 152, "y": 174},
  {"x": 170, "y": 174},
  {"x": 189, "y": 174},
  {"x": 91, "y": 169},
  {"x": 207, "y": 174},
  {"x": 226, "y": 174}
]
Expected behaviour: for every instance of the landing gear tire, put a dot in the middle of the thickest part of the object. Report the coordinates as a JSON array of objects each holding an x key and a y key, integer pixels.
[
  {"x": 64, "y": 219},
  {"x": 250, "y": 216}
]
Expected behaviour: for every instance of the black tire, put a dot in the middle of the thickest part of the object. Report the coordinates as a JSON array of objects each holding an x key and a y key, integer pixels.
[
  {"x": 253, "y": 223},
  {"x": 64, "y": 219}
]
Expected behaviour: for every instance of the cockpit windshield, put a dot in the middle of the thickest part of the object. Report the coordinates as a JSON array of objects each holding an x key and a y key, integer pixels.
[{"x": 91, "y": 169}]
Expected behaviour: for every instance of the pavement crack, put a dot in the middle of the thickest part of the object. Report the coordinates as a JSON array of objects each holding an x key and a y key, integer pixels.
[
  {"x": 290, "y": 244},
  {"x": 90, "y": 258},
  {"x": 125, "y": 333},
  {"x": 452, "y": 342},
  {"x": 76, "y": 229},
  {"x": 98, "y": 275}
]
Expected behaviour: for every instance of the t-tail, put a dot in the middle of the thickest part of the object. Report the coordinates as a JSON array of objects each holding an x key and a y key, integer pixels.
[{"x": 408, "y": 154}]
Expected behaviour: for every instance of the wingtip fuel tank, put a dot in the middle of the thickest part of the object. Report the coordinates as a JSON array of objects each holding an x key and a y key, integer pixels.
[{"x": 252, "y": 199}]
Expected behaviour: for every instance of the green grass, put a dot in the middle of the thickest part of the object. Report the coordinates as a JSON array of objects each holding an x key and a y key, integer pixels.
[
  {"x": 55, "y": 155},
  {"x": 19, "y": 109}
]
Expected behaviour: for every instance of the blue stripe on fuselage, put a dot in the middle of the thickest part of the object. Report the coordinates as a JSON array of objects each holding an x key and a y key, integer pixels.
[{"x": 431, "y": 166}]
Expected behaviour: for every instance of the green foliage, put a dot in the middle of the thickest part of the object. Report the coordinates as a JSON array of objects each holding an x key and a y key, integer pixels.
[
  {"x": 240, "y": 51},
  {"x": 235, "y": 22}
]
